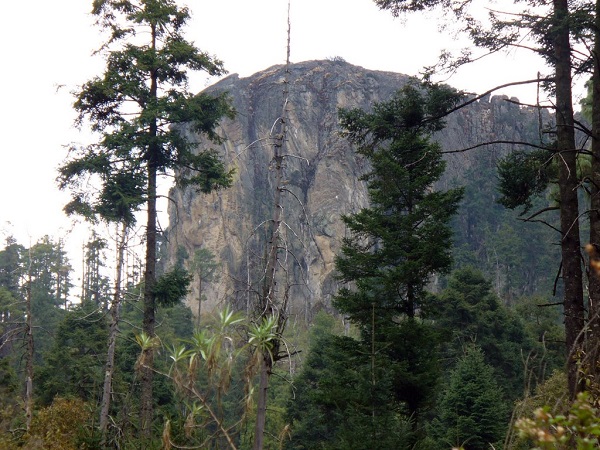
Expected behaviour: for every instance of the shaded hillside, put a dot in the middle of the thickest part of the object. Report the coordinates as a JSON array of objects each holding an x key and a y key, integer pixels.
[{"x": 322, "y": 174}]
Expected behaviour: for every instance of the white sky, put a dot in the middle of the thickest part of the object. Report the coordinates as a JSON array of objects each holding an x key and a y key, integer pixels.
[{"x": 47, "y": 44}]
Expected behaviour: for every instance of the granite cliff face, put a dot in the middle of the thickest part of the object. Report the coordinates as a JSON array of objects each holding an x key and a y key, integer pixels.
[{"x": 321, "y": 173}]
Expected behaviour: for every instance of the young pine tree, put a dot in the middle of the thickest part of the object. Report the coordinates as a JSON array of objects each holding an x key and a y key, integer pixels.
[{"x": 341, "y": 399}]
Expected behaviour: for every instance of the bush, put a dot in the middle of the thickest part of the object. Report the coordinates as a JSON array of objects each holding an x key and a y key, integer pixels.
[{"x": 60, "y": 426}]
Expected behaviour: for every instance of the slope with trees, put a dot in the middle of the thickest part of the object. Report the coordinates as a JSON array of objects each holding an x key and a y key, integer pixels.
[{"x": 379, "y": 389}]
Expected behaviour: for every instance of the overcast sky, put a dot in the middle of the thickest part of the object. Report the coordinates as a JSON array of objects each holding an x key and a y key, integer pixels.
[{"x": 47, "y": 52}]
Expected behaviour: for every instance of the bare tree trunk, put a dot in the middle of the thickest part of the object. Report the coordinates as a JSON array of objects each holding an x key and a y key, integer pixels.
[
  {"x": 199, "y": 300},
  {"x": 568, "y": 186},
  {"x": 269, "y": 291},
  {"x": 261, "y": 403},
  {"x": 270, "y": 286},
  {"x": 29, "y": 354},
  {"x": 112, "y": 336}
]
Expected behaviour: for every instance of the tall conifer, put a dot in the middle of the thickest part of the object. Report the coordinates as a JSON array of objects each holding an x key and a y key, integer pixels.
[
  {"x": 398, "y": 243},
  {"x": 135, "y": 106}
]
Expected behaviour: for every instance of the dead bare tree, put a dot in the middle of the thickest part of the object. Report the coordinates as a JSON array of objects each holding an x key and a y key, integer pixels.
[
  {"x": 121, "y": 240},
  {"x": 271, "y": 309},
  {"x": 30, "y": 349}
]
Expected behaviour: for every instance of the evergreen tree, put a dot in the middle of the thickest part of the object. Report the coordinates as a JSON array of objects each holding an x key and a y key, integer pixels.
[
  {"x": 472, "y": 414},
  {"x": 402, "y": 239},
  {"x": 44, "y": 281},
  {"x": 341, "y": 401},
  {"x": 96, "y": 286},
  {"x": 548, "y": 29},
  {"x": 12, "y": 308},
  {"x": 46, "y": 261},
  {"x": 74, "y": 365},
  {"x": 136, "y": 106},
  {"x": 37, "y": 282},
  {"x": 204, "y": 267},
  {"x": 11, "y": 265},
  {"x": 11, "y": 320},
  {"x": 468, "y": 312}
]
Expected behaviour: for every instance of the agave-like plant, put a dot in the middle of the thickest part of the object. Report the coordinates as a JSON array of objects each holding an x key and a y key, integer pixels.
[
  {"x": 179, "y": 353},
  {"x": 210, "y": 352},
  {"x": 190, "y": 421}
]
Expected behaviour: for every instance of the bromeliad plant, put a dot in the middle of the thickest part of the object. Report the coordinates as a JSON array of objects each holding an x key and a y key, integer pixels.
[{"x": 263, "y": 335}]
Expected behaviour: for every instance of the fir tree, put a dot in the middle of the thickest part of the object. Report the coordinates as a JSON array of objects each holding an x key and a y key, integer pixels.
[
  {"x": 340, "y": 401},
  {"x": 402, "y": 239},
  {"x": 472, "y": 414}
]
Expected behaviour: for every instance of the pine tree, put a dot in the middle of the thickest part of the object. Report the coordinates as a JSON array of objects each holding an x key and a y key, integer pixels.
[
  {"x": 12, "y": 309},
  {"x": 136, "y": 106},
  {"x": 472, "y": 414},
  {"x": 402, "y": 239},
  {"x": 204, "y": 267},
  {"x": 11, "y": 265}
]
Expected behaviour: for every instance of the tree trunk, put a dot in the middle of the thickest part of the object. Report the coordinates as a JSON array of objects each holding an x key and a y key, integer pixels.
[
  {"x": 147, "y": 374},
  {"x": 261, "y": 404},
  {"x": 269, "y": 297},
  {"x": 593, "y": 340},
  {"x": 112, "y": 337},
  {"x": 199, "y": 300},
  {"x": 568, "y": 187},
  {"x": 29, "y": 355},
  {"x": 270, "y": 286}
]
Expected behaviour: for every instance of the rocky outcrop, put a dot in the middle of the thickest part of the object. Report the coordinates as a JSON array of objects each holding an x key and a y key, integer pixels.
[{"x": 321, "y": 172}]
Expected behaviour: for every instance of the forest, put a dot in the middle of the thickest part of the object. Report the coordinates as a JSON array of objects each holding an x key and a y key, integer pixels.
[{"x": 465, "y": 313}]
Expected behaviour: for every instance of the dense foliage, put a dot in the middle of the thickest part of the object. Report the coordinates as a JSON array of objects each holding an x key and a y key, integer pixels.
[{"x": 341, "y": 398}]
